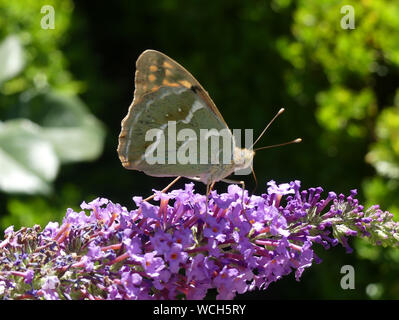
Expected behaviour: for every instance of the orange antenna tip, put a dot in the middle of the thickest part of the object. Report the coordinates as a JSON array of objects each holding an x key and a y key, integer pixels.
[{"x": 280, "y": 144}]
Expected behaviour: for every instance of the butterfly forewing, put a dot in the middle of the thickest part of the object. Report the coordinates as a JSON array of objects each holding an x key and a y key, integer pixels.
[
  {"x": 165, "y": 92},
  {"x": 155, "y": 69}
]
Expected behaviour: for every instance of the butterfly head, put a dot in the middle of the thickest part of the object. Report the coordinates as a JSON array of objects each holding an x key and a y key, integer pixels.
[{"x": 243, "y": 157}]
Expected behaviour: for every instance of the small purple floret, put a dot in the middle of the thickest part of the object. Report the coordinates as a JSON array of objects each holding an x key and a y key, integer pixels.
[{"x": 174, "y": 249}]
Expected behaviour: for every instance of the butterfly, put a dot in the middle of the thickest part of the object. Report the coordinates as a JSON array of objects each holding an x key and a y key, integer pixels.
[{"x": 165, "y": 94}]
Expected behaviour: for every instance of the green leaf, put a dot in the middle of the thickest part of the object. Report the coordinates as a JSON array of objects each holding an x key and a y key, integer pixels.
[
  {"x": 52, "y": 129},
  {"x": 84, "y": 142},
  {"x": 28, "y": 162},
  {"x": 11, "y": 58},
  {"x": 75, "y": 134}
]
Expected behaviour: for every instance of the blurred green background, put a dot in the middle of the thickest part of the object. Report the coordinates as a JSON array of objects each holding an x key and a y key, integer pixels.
[{"x": 64, "y": 92}]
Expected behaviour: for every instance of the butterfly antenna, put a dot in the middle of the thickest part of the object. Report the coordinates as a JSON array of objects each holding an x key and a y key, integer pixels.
[
  {"x": 280, "y": 144},
  {"x": 268, "y": 125}
]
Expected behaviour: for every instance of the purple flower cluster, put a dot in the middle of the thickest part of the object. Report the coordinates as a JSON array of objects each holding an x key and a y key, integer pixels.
[{"x": 177, "y": 250}]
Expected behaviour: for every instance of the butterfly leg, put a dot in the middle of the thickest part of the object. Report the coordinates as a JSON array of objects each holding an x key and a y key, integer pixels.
[
  {"x": 256, "y": 181},
  {"x": 242, "y": 186},
  {"x": 209, "y": 188},
  {"x": 164, "y": 189}
]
